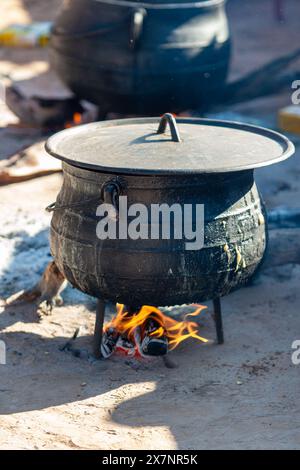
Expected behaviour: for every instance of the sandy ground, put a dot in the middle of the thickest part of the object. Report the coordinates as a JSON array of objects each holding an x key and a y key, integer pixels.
[{"x": 244, "y": 394}]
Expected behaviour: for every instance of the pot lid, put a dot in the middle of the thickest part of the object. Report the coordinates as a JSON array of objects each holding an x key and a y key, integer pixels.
[{"x": 167, "y": 146}]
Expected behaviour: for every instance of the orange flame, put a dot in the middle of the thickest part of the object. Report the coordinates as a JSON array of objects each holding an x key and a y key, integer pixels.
[
  {"x": 77, "y": 118},
  {"x": 76, "y": 121},
  {"x": 175, "y": 331}
]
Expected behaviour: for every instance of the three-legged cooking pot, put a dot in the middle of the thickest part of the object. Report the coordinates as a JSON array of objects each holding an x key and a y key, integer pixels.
[{"x": 157, "y": 162}]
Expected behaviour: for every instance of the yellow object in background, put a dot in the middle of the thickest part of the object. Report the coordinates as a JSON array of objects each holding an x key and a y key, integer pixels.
[
  {"x": 289, "y": 119},
  {"x": 31, "y": 35}
]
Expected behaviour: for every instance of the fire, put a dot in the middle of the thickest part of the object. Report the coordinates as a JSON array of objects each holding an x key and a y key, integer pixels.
[
  {"x": 77, "y": 118},
  {"x": 76, "y": 121},
  {"x": 175, "y": 331}
]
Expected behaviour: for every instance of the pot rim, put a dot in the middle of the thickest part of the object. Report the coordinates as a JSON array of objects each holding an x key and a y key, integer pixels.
[
  {"x": 287, "y": 145},
  {"x": 162, "y": 6}
]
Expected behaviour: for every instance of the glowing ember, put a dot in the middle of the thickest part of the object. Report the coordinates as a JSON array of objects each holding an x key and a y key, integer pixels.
[{"x": 133, "y": 326}]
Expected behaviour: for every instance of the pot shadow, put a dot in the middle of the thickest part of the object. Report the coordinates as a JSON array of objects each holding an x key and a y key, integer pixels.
[
  {"x": 27, "y": 356},
  {"x": 38, "y": 375},
  {"x": 152, "y": 137}
]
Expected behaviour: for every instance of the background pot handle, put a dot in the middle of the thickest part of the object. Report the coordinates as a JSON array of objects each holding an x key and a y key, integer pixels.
[
  {"x": 136, "y": 26},
  {"x": 169, "y": 119}
]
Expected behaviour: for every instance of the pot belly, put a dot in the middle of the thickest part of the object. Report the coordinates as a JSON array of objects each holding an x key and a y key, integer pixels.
[
  {"x": 131, "y": 91},
  {"x": 180, "y": 61},
  {"x": 161, "y": 272}
]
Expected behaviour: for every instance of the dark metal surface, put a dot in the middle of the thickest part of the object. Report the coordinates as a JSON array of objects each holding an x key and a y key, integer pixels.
[
  {"x": 98, "y": 332},
  {"x": 160, "y": 272},
  {"x": 143, "y": 58},
  {"x": 218, "y": 320},
  {"x": 133, "y": 146}
]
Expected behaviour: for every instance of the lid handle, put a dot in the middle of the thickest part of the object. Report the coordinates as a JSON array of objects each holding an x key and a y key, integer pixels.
[{"x": 169, "y": 119}]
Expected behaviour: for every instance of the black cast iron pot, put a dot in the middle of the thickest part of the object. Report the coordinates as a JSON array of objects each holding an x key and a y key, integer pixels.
[
  {"x": 142, "y": 58},
  {"x": 202, "y": 162}
]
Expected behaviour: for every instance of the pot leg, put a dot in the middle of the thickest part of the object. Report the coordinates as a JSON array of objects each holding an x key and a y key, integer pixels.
[
  {"x": 218, "y": 320},
  {"x": 100, "y": 312}
]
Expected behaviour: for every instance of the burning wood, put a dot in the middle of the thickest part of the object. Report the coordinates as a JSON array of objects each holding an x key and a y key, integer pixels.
[
  {"x": 37, "y": 109},
  {"x": 76, "y": 120},
  {"x": 46, "y": 292},
  {"x": 51, "y": 112},
  {"x": 149, "y": 332}
]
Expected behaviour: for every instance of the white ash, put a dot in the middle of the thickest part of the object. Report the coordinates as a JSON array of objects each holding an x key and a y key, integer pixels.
[{"x": 24, "y": 254}]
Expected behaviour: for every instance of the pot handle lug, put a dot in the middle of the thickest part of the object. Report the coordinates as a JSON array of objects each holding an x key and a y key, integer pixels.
[
  {"x": 169, "y": 119},
  {"x": 136, "y": 26},
  {"x": 110, "y": 193}
]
